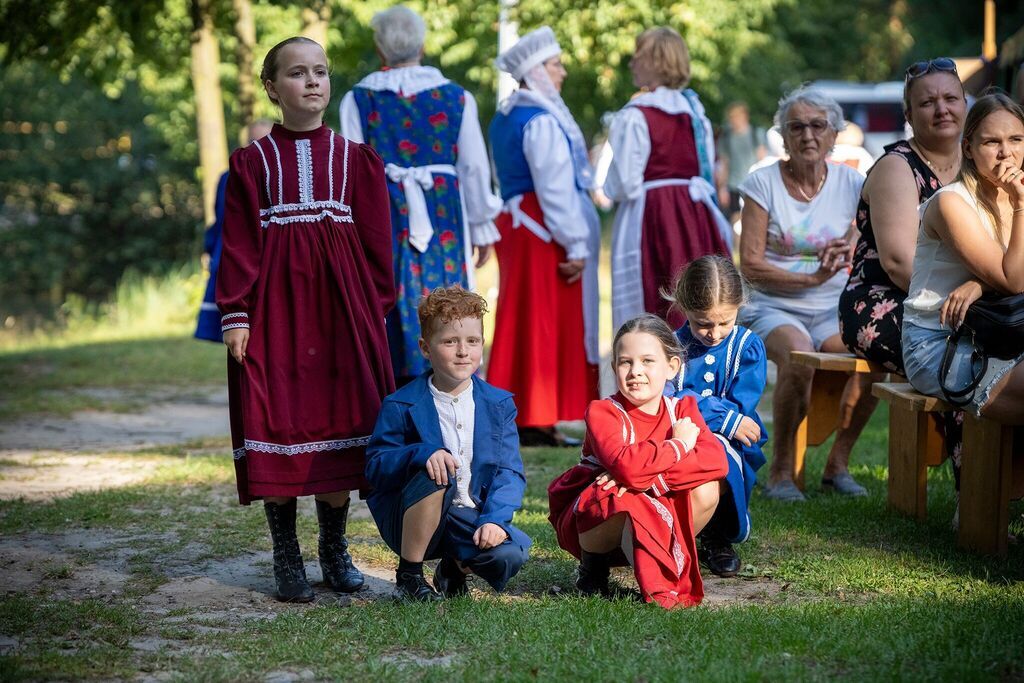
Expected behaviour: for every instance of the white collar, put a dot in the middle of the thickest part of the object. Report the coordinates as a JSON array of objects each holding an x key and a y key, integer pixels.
[
  {"x": 666, "y": 99},
  {"x": 524, "y": 97},
  {"x": 465, "y": 394},
  {"x": 405, "y": 80}
]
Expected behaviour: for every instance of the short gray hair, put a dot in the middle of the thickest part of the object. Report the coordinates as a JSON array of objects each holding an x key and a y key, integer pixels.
[
  {"x": 399, "y": 34},
  {"x": 812, "y": 97}
]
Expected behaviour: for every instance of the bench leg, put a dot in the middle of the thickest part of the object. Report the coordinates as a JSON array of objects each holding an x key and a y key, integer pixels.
[
  {"x": 985, "y": 479},
  {"x": 909, "y": 441},
  {"x": 799, "y": 452},
  {"x": 823, "y": 411},
  {"x": 821, "y": 419},
  {"x": 936, "y": 445}
]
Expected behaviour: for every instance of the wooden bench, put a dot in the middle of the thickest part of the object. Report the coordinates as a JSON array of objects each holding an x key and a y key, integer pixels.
[
  {"x": 915, "y": 444},
  {"x": 986, "y": 473},
  {"x": 831, "y": 372}
]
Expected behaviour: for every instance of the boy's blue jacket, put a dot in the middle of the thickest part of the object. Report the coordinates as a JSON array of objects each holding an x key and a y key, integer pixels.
[{"x": 408, "y": 431}]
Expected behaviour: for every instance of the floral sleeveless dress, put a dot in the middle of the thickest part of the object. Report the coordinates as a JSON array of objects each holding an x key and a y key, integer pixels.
[{"x": 871, "y": 306}]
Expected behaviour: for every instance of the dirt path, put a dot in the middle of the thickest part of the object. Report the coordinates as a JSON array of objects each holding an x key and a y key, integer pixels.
[
  {"x": 49, "y": 458},
  {"x": 93, "y": 563},
  {"x": 169, "y": 420}
]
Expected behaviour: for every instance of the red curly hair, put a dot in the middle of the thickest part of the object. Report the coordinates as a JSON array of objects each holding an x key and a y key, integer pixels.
[{"x": 446, "y": 304}]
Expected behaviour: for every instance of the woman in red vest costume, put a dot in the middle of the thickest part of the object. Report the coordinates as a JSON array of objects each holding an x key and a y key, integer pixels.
[
  {"x": 667, "y": 214},
  {"x": 545, "y": 328}
]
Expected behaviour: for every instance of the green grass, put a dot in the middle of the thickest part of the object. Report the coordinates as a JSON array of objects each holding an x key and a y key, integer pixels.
[
  {"x": 868, "y": 595},
  {"x": 110, "y": 375},
  {"x": 111, "y": 356}
]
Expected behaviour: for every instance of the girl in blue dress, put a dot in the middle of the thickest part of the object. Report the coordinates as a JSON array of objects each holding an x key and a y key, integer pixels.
[{"x": 725, "y": 369}]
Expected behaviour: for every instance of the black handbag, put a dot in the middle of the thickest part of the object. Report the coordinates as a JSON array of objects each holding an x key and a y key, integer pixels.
[{"x": 995, "y": 326}]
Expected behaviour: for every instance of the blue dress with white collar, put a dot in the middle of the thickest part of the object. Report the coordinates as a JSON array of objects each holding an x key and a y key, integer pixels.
[{"x": 728, "y": 379}]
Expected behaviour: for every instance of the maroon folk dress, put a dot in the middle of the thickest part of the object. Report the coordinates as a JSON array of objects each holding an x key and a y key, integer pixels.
[
  {"x": 307, "y": 267},
  {"x": 676, "y": 230}
]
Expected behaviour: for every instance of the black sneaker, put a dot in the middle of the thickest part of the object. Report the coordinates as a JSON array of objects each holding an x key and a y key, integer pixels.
[
  {"x": 720, "y": 558},
  {"x": 449, "y": 579},
  {"x": 412, "y": 586}
]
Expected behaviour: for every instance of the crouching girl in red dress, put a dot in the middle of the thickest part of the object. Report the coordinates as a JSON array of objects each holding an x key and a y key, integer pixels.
[{"x": 648, "y": 479}]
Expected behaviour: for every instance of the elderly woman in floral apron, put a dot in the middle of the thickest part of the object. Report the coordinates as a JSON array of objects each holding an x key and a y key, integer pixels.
[{"x": 425, "y": 127}]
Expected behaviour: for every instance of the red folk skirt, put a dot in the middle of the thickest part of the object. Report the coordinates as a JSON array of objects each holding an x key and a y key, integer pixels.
[{"x": 538, "y": 351}]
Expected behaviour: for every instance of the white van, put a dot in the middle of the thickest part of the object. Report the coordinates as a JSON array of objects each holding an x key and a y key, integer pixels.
[{"x": 876, "y": 107}]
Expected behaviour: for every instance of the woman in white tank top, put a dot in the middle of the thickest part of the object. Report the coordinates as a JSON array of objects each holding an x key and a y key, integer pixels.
[{"x": 971, "y": 240}]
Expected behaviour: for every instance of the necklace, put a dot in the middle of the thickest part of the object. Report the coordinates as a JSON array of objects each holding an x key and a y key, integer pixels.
[
  {"x": 935, "y": 169},
  {"x": 800, "y": 189}
]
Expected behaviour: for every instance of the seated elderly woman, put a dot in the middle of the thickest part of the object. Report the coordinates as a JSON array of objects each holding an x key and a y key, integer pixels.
[{"x": 795, "y": 247}]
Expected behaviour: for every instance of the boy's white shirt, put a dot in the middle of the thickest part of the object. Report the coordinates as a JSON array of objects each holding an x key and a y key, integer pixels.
[{"x": 457, "y": 415}]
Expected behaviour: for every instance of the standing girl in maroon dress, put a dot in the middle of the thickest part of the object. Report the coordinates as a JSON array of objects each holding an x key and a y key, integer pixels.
[
  {"x": 304, "y": 285},
  {"x": 667, "y": 214}
]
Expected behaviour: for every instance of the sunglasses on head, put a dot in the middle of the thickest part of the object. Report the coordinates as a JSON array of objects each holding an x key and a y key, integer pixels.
[{"x": 918, "y": 69}]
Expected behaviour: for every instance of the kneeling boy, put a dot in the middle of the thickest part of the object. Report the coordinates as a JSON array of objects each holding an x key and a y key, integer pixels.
[{"x": 444, "y": 461}]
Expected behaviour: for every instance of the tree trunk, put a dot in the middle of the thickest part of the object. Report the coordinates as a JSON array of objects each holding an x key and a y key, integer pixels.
[
  {"x": 213, "y": 144},
  {"x": 316, "y": 14},
  {"x": 245, "y": 33}
]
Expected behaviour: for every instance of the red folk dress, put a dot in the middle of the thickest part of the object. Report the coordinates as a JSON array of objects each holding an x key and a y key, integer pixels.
[
  {"x": 667, "y": 214},
  {"x": 545, "y": 345},
  {"x": 307, "y": 267},
  {"x": 676, "y": 229},
  {"x": 638, "y": 451},
  {"x": 538, "y": 351}
]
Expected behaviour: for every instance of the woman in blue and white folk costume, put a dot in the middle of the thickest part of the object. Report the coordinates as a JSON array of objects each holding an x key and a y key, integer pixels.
[
  {"x": 726, "y": 370},
  {"x": 426, "y": 129}
]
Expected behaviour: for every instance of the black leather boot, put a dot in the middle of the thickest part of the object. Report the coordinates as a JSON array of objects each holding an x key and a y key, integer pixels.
[
  {"x": 593, "y": 574},
  {"x": 335, "y": 562},
  {"x": 289, "y": 571}
]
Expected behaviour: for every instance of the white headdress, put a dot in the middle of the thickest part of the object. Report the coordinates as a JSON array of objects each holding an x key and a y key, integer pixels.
[{"x": 525, "y": 61}]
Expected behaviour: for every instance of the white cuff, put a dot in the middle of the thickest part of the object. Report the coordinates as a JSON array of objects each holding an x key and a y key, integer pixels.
[
  {"x": 577, "y": 250},
  {"x": 484, "y": 234}
]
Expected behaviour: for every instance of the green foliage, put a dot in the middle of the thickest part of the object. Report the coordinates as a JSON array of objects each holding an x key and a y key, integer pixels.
[
  {"x": 76, "y": 209},
  {"x": 87, "y": 190}
]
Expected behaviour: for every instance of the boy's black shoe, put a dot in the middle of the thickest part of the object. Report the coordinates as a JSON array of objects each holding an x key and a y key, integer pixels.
[
  {"x": 449, "y": 579},
  {"x": 720, "y": 557},
  {"x": 289, "y": 569},
  {"x": 412, "y": 586},
  {"x": 593, "y": 574}
]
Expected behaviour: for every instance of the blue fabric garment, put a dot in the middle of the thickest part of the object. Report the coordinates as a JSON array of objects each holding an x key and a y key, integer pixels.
[
  {"x": 506, "y": 136},
  {"x": 421, "y": 129},
  {"x": 208, "y": 325},
  {"x": 727, "y": 380},
  {"x": 707, "y": 171},
  {"x": 453, "y": 537},
  {"x": 513, "y": 171},
  {"x": 408, "y": 431}
]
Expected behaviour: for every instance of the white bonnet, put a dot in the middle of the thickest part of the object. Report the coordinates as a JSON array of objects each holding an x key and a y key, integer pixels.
[{"x": 532, "y": 49}]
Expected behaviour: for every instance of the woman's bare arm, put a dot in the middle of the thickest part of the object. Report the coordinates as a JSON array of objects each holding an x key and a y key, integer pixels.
[{"x": 891, "y": 194}]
